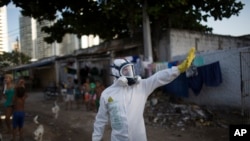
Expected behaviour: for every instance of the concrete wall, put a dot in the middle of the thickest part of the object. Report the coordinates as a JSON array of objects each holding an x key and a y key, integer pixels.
[
  {"x": 178, "y": 42},
  {"x": 226, "y": 50},
  {"x": 229, "y": 92}
]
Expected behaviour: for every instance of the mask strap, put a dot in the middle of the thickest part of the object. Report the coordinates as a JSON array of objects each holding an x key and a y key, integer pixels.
[
  {"x": 114, "y": 66},
  {"x": 114, "y": 75}
]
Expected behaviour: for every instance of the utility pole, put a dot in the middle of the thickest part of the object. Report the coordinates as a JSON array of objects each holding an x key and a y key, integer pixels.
[
  {"x": 79, "y": 37},
  {"x": 148, "y": 55},
  {"x": 18, "y": 51}
]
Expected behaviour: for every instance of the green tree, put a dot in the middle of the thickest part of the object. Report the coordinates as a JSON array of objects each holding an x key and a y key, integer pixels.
[
  {"x": 117, "y": 19},
  {"x": 13, "y": 58}
]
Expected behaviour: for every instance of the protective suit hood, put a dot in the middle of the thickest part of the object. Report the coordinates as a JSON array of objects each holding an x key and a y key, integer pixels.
[{"x": 123, "y": 71}]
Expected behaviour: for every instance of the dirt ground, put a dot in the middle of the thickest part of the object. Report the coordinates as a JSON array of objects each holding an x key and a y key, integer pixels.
[{"x": 77, "y": 125}]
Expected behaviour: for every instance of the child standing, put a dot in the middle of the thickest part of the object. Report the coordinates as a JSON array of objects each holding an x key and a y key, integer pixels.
[
  {"x": 77, "y": 93},
  {"x": 18, "y": 114},
  {"x": 86, "y": 90},
  {"x": 98, "y": 90},
  {"x": 70, "y": 93},
  {"x": 8, "y": 104}
]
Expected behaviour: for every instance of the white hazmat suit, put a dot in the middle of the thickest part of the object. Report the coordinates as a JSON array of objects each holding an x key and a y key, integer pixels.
[{"x": 123, "y": 104}]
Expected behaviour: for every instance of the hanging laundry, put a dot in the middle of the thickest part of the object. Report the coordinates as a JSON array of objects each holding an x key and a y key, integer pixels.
[
  {"x": 135, "y": 59},
  {"x": 192, "y": 71},
  {"x": 163, "y": 65},
  {"x": 153, "y": 68},
  {"x": 211, "y": 74},
  {"x": 71, "y": 71},
  {"x": 198, "y": 61},
  {"x": 178, "y": 87},
  {"x": 195, "y": 82},
  {"x": 157, "y": 67},
  {"x": 173, "y": 63}
]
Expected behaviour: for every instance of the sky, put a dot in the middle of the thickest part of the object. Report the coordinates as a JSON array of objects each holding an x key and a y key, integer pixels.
[{"x": 234, "y": 26}]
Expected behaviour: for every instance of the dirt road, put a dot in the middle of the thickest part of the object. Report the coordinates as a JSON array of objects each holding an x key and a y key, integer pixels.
[{"x": 77, "y": 125}]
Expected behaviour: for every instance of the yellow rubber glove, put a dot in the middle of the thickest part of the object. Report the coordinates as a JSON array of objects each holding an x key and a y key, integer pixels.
[{"x": 188, "y": 61}]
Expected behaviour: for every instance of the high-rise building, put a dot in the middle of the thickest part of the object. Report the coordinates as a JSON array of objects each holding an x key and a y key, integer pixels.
[
  {"x": 3, "y": 30},
  {"x": 31, "y": 38},
  {"x": 33, "y": 44},
  {"x": 26, "y": 36},
  {"x": 42, "y": 49}
]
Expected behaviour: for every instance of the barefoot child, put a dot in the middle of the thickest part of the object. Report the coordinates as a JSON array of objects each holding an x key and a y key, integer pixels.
[{"x": 19, "y": 114}]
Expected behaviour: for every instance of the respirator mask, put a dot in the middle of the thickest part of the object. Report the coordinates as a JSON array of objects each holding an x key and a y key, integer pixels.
[{"x": 124, "y": 68}]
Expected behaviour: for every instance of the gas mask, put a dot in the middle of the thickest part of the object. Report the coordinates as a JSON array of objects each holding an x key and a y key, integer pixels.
[{"x": 124, "y": 68}]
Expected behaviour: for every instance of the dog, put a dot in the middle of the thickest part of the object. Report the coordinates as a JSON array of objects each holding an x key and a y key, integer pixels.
[
  {"x": 38, "y": 133},
  {"x": 55, "y": 110}
]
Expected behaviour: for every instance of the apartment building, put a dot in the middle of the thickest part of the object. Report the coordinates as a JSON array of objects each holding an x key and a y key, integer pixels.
[
  {"x": 33, "y": 44},
  {"x": 43, "y": 49},
  {"x": 3, "y": 30},
  {"x": 26, "y": 36}
]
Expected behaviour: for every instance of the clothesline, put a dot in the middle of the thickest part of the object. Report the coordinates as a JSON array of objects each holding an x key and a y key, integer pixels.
[{"x": 206, "y": 74}]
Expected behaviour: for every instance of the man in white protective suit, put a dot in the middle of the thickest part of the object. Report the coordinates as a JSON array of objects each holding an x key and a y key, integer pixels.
[{"x": 123, "y": 102}]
